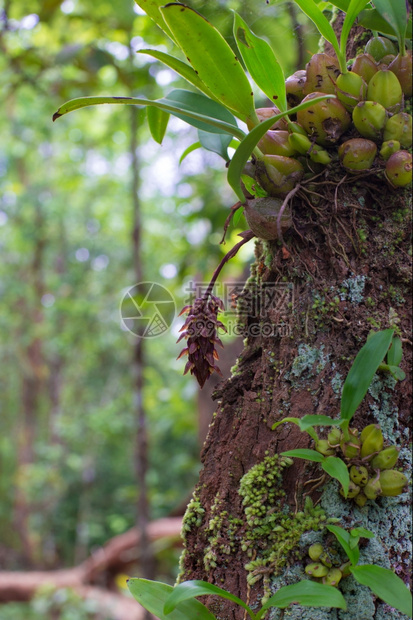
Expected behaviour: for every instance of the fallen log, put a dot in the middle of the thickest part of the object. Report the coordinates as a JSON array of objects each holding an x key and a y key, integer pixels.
[{"x": 120, "y": 550}]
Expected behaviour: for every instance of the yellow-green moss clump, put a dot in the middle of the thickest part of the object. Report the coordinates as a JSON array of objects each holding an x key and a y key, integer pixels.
[{"x": 272, "y": 532}]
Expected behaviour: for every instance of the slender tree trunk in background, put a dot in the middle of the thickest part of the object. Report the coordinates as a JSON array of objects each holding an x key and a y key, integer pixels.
[
  {"x": 348, "y": 265},
  {"x": 33, "y": 379},
  {"x": 146, "y": 557}
]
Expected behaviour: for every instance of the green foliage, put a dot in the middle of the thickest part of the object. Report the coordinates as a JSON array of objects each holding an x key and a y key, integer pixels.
[
  {"x": 382, "y": 581},
  {"x": 179, "y": 603}
]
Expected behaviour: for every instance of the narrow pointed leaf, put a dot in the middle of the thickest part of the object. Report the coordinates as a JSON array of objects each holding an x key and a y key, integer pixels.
[
  {"x": 211, "y": 58},
  {"x": 394, "y": 12},
  {"x": 158, "y": 122},
  {"x": 386, "y": 585},
  {"x": 305, "y": 453},
  {"x": 183, "y": 69},
  {"x": 343, "y": 538},
  {"x": 355, "y": 7},
  {"x": 152, "y": 595},
  {"x": 362, "y": 371},
  {"x": 261, "y": 63},
  {"x": 182, "y": 109},
  {"x": 336, "y": 468},
  {"x": 313, "y": 12},
  {"x": 189, "y": 589},
  {"x": 248, "y": 144},
  {"x": 189, "y": 149},
  {"x": 307, "y": 593},
  {"x": 317, "y": 420},
  {"x": 395, "y": 353},
  {"x": 217, "y": 143},
  {"x": 151, "y": 8}
]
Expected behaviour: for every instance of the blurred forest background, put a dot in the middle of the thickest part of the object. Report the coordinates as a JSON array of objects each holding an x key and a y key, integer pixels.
[{"x": 72, "y": 195}]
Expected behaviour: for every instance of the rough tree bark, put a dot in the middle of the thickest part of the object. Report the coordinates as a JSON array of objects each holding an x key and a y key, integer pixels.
[
  {"x": 347, "y": 260},
  {"x": 349, "y": 265}
]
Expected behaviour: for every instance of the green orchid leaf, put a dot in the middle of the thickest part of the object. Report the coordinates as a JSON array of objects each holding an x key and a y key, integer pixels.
[
  {"x": 336, "y": 468},
  {"x": 317, "y": 420},
  {"x": 152, "y": 9},
  {"x": 254, "y": 188},
  {"x": 397, "y": 373},
  {"x": 394, "y": 12},
  {"x": 189, "y": 149},
  {"x": 183, "y": 104},
  {"x": 183, "y": 69},
  {"x": 188, "y": 101},
  {"x": 308, "y": 429},
  {"x": 217, "y": 143},
  {"x": 361, "y": 532},
  {"x": 362, "y": 371},
  {"x": 212, "y": 59},
  {"x": 322, "y": 23},
  {"x": 386, "y": 585},
  {"x": 307, "y": 593},
  {"x": 395, "y": 353},
  {"x": 261, "y": 63},
  {"x": 158, "y": 122},
  {"x": 341, "y": 4},
  {"x": 343, "y": 538},
  {"x": 188, "y": 590},
  {"x": 152, "y": 595},
  {"x": 305, "y": 453},
  {"x": 371, "y": 19},
  {"x": 248, "y": 144},
  {"x": 354, "y": 9},
  {"x": 293, "y": 420}
]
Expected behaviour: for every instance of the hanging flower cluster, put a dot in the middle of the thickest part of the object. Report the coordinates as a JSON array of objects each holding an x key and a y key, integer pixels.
[{"x": 200, "y": 329}]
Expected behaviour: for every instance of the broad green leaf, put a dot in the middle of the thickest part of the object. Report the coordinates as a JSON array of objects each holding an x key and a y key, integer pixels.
[
  {"x": 371, "y": 19},
  {"x": 386, "y": 585},
  {"x": 355, "y": 7},
  {"x": 341, "y": 4},
  {"x": 394, "y": 12},
  {"x": 307, "y": 593},
  {"x": 317, "y": 420},
  {"x": 189, "y": 149},
  {"x": 362, "y": 371},
  {"x": 182, "y": 109},
  {"x": 320, "y": 20},
  {"x": 180, "y": 67},
  {"x": 158, "y": 122},
  {"x": 248, "y": 144},
  {"x": 397, "y": 373},
  {"x": 152, "y": 595},
  {"x": 190, "y": 589},
  {"x": 217, "y": 143},
  {"x": 261, "y": 63},
  {"x": 343, "y": 538},
  {"x": 305, "y": 453},
  {"x": 336, "y": 468},
  {"x": 395, "y": 353},
  {"x": 212, "y": 59},
  {"x": 196, "y": 102},
  {"x": 151, "y": 8}
]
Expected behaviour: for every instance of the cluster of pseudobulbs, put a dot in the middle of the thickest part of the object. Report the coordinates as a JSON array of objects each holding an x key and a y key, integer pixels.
[{"x": 364, "y": 126}]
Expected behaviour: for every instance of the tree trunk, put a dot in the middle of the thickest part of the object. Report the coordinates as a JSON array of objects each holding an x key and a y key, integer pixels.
[{"x": 345, "y": 270}]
